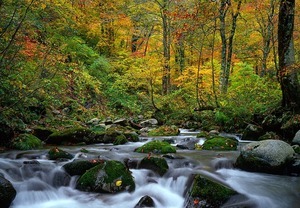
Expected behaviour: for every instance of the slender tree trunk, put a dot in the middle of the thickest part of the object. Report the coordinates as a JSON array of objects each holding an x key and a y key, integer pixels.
[
  {"x": 227, "y": 45},
  {"x": 166, "y": 78},
  {"x": 213, "y": 65},
  {"x": 287, "y": 69},
  {"x": 266, "y": 28}
]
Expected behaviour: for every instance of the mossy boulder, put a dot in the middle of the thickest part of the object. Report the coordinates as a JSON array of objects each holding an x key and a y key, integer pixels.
[
  {"x": 269, "y": 156},
  {"x": 156, "y": 146},
  {"x": 7, "y": 192},
  {"x": 27, "y": 142},
  {"x": 164, "y": 131},
  {"x": 220, "y": 143},
  {"x": 71, "y": 136},
  {"x": 79, "y": 167},
  {"x": 207, "y": 193},
  {"x": 116, "y": 130},
  {"x": 121, "y": 139},
  {"x": 108, "y": 177},
  {"x": 42, "y": 132},
  {"x": 156, "y": 164},
  {"x": 56, "y": 153}
]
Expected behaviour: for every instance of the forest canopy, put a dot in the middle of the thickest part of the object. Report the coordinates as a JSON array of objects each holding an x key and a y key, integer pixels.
[{"x": 169, "y": 59}]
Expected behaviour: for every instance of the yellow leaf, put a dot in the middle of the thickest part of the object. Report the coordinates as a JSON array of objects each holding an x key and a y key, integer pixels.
[{"x": 118, "y": 183}]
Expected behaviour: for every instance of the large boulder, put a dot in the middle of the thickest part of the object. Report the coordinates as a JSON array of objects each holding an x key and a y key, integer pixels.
[
  {"x": 296, "y": 139},
  {"x": 71, "y": 136},
  {"x": 270, "y": 156},
  {"x": 107, "y": 177},
  {"x": 7, "y": 193}
]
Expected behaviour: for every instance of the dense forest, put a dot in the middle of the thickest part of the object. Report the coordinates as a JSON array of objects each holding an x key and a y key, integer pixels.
[{"x": 64, "y": 62}]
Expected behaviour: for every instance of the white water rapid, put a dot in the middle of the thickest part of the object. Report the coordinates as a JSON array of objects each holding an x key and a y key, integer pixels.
[{"x": 41, "y": 183}]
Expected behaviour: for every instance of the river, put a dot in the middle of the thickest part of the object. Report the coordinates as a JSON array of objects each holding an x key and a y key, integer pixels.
[{"x": 41, "y": 183}]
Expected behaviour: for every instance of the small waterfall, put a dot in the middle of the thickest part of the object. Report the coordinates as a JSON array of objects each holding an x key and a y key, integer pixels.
[{"x": 43, "y": 183}]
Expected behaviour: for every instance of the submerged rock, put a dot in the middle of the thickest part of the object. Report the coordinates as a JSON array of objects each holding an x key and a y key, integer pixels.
[
  {"x": 156, "y": 164},
  {"x": 145, "y": 201},
  {"x": 270, "y": 156},
  {"x": 108, "y": 177},
  {"x": 56, "y": 153},
  {"x": 7, "y": 192}
]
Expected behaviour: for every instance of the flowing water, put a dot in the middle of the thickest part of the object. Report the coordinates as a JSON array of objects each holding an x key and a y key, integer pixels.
[{"x": 41, "y": 183}]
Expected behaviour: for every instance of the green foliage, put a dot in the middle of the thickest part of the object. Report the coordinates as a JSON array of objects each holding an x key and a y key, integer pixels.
[
  {"x": 247, "y": 95},
  {"x": 156, "y": 146},
  {"x": 27, "y": 142}
]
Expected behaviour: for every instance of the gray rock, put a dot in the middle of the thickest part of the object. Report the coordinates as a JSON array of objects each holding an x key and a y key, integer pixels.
[
  {"x": 149, "y": 123},
  {"x": 296, "y": 139},
  {"x": 271, "y": 156},
  {"x": 94, "y": 121},
  {"x": 122, "y": 122}
]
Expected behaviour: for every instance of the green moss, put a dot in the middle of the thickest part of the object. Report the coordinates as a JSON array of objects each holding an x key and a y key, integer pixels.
[
  {"x": 220, "y": 143},
  {"x": 56, "y": 153},
  {"x": 165, "y": 131},
  {"x": 157, "y": 147},
  {"x": 121, "y": 139},
  {"x": 27, "y": 142},
  {"x": 213, "y": 193}
]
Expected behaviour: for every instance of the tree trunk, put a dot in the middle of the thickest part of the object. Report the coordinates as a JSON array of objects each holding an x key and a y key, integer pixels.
[
  {"x": 167, "y": 45},
  {"x": 287, "y": 69},
  {"x": 227, "y": 45}
]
